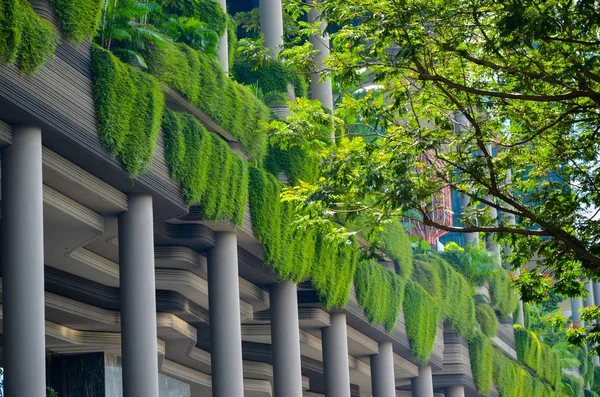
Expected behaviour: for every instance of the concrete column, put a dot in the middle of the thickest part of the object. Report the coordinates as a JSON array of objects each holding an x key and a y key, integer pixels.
[
  {"x": 285, "y": 335},
  {"x": 320, "y": 90},
  {"x": 589, "y": 300},
  {"x": 470, "y": 238},
  {"x": 383, "y": 379},
  {"x": 521, "y": 317},
  {"x": 455, "y": 391},
  {"x": 23, "y": 264},
  {"x": 138, "y": 298},
  {"x": 225, "y": 321},
  {"x": 422, "y": 386},
  {"x": 271, "y": 25},
  {"x": 596, "y": 289},
  {"x": 576, "y": 304},
  {"x": 223, "y": 49},
  {"x": 335, "y": 357}
]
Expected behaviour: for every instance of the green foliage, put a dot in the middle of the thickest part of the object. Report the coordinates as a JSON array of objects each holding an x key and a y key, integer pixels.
[
  {"x": 427, "y": 274},
  {"x": 450, "y": 290},
  {"x": 474, "y": 261},
  {"x": 232, "y": 40},
  {"x": 210, "y": 173},
  {"x": 200, "y": 78},
  {"x": 396, "y": 243},
  {"x": 192, "y": 32},
  {"x": 296, "y": 162},
  {"x": 421, "y": 314},
  {"x": 512, "y": 380},
  {"x": 481, "y": 354},
  {"x": 537, "y": 356},
  {"x": 269, "y": 76},
  {"x": 486, "y": 317},
  {"x": 334, "y": 272},
  {"x": 590, "y": 393},
  {"x": 503, "y": 297},
  {"x": 207, "y": 11},
  {"x": 572, "y": 386},
  {"x": 290, "y": 253},
  {"x": 380, "y": 293},
  {"x": 25, "y": 38},
  {"x": 125, "y": 32},
  {"x": 78, "y": 19},
  {"x": 491, "y": 74},
  {"x": 129, "y": 108}
]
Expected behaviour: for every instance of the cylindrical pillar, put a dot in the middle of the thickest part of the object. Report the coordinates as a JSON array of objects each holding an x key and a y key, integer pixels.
[
  {"x": 422, "y": 385},
  {"x": 138, "y": 298},
  {"x": 335, "y": 357},
  {"x": 225, "y": 321},
  {"x": 383, "y": 379},
  {"x": 285, "y": 335},
  {"x": 320, "y": 90},
  {"x": 596, "y": 289},
  {"x": 223, "y": 49},
  {"x": 271, "y": 25},
  {"x": 473, "y": 237},
  {"x": 576, "y": 304},
  {"x": 589, "y": 299},
  {"x": 521, "y": 316},
  {"x": 455, "y": 391},
  {"x": 23, "y": 263}
]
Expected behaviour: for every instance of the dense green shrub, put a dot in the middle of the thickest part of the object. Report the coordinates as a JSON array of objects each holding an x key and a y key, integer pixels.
[
  {"x": 296, "y": 163},
  {"x": 210, "y": 173},
  {"x": 79, "y": 19},
  {"x": 129, "y": 108},
  {"x": 537, "y": 356},
  {"x": 503, "y": 297},
  {"x": 380, "y": 293},
  {"x": 488, "y": 322},
  {"x": 422, "y": 314},
  {"x": 271, "y": 76},
  {"x": 289, "y": 253},
  {"x": 481, "y": 354},
  {"x": 200, "y": 78},
  {"x": 25, "y": 38},
  {"x": 396, "y": 244},
  {"x": 207, "y": 11}
]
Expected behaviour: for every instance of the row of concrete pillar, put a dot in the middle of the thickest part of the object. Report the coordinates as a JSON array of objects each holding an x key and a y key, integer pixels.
[{"x": 23, "y": 300}]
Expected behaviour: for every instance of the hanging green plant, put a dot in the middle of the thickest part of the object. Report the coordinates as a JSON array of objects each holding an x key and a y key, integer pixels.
[
  {"x": 481, "y": 354},
  {"x": 80, "y": 19},
  {"x": 421, "y": 314},
  {"x": 200, "y": 78},
  {"x": 129, "y": 108},
  {"x": 210, "y": 173},
  {"x": 25, "y": 39},
  {"x": 380, "y": 293}
]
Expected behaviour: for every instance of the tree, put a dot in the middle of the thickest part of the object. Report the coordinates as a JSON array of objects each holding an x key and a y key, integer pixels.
[{"x": 503, "y": 96}]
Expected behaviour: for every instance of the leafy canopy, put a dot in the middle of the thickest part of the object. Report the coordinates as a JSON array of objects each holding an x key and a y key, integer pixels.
[{"x": 498, "y": 100}]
